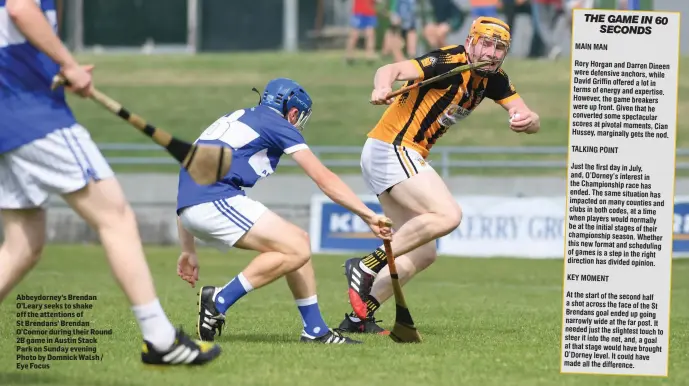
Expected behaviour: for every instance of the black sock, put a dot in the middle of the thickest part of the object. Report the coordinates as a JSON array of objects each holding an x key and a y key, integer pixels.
[
  {"x": 372, "y": 305},
  {"x": 375, "y": 261}
]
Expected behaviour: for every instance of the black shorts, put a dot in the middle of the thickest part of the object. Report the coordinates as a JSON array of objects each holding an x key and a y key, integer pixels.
[{"x": 445, "y": 11}]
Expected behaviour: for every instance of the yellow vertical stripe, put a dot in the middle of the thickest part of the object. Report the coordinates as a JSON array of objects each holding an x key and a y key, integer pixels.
[{"x": 406, "y": 161}]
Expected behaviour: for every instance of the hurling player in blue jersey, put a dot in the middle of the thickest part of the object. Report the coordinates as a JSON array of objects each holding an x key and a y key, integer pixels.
[
  {"x": 222, "y": 215},
  {"x": 44, "y": 151}
]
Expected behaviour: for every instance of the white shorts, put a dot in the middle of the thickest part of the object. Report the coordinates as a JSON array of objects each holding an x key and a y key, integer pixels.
[
  {"x": 384, "y": 165},
  {"x": 221, "y": 223},
  {"x": 62, "y": 162}
]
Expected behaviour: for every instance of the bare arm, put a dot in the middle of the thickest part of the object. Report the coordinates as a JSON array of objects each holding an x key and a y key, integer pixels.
[
  {"x": 31, "y": 22},
  {"x": 390, "y": 73},
  {"x": 332, "y": 185},
  {"x": 186, "y": 239}
]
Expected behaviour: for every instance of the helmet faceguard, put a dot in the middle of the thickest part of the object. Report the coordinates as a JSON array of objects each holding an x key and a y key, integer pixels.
[
  {"x": 283, "y": 94},
  {"x": 303, "y": 119},
  {"x": 489, "y": 39}
]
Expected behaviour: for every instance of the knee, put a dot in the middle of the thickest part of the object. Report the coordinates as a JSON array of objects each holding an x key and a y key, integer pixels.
[
  {"x": 121, "y": 209},
  {"x": 29, "y": 252},
  {"x": 304, "y": 250},
  {"x": 300, "y": 253},
  {"x": 33, "y": 253},
  {"x": 119, "y": 213},
  {"x": 449, "y": 219}
]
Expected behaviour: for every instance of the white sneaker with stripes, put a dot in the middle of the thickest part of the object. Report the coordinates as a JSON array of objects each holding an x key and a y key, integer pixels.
[
  {"x": 209, "y": 321},
  {"x": 331, "y": 337},
  {"x": 185, "y": 351}
]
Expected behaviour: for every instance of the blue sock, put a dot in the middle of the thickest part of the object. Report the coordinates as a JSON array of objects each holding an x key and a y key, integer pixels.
[
  {"x": 314, "y": 324},
  {"x": 233, "y": 291}
]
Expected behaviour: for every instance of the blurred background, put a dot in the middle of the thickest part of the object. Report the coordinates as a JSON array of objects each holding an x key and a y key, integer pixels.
[{"x": 183, "y": 63}]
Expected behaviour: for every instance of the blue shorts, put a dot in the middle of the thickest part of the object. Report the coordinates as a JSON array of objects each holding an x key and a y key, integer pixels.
[
  {"x": 363, "y": 21},
  {"x": 484, "y": 11}
]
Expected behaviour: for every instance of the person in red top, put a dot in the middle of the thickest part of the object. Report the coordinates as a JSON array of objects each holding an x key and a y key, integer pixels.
[{"x": 364, "y": 19}]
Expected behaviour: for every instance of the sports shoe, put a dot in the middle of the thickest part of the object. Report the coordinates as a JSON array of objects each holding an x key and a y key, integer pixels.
[
  {"x": 362, "y": 326},
  {"x": 331, "y": 337},
  {"x": 184, "y": 351},
  {"x": 209, "y": 320},
  {"x": 359, "y": 286}
]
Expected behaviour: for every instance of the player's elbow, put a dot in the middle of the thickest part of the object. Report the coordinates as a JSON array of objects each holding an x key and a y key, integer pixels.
[
  {"x": 388, "y": 72},
  {"x": 16, "y": 8},
  {"x": 384, "y": 69}
]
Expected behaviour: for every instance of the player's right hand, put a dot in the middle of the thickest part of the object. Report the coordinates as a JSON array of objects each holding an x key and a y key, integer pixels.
[
  {"x": 381, "y": 226},
  {"x": 378, "y": 96},
  {"x": 79, "y": 78},
  {"x": 188, "y": 268}
]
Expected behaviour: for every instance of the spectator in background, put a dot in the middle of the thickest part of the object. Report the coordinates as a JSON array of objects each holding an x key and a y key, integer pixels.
[
  {"x": 572, "y": 4},
  {"x": 364, "y": 19},
  {"x": 488, "y": 8},
  {"x": 630, "y": 5},
  {"x": 511, "y": 8},
  {"x": 543, "y": 13},
  {"x": 402, "y": 30},
  {"x": 447, "y": 18}
]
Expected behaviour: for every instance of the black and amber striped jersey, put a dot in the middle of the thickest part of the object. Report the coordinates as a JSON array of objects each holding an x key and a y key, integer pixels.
[{"x": 418, "y": 118}]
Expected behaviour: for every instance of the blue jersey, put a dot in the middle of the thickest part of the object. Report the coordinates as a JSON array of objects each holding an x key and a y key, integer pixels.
[
  {"x": 29, "y": 110},
  {"x": 258, "y": 136}
]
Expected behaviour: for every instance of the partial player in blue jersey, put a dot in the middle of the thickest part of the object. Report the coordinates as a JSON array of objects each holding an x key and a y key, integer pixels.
[
  {"x": 44, "y": 151},
  {"x": 222, "y": 215}
]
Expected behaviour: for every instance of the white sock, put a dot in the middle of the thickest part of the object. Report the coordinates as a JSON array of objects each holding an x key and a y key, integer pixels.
[
  {"x": 367, "y": 269},
  {"x": 155, "y": 326}
]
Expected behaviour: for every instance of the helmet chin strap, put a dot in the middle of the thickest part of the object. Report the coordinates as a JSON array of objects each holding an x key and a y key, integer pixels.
[
  {"x": 259, "y": 94},
  {"x": 260, "y": 98}
]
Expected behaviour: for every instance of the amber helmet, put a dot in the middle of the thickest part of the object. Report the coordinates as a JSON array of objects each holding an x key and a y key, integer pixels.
[{"x": 488, "y": 39}]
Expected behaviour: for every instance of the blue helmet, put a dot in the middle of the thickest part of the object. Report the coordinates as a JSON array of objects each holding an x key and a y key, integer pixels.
[{"x": 283, "y": 94}]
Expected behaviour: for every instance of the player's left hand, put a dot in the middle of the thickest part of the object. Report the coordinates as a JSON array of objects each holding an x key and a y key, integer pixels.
[
  {"x": 524, "y": 121},
  {"x": 188, "y": 268},
  {"x": 381, "y": 226}
]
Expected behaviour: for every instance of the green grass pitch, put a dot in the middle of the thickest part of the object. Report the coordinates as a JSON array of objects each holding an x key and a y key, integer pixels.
[
  {"x": 184, "y": 94},
  {"x": 484, "y": 321}
]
